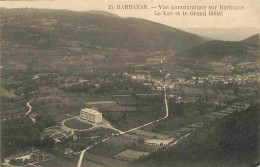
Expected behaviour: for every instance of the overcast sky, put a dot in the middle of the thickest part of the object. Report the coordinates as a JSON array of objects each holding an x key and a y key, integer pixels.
[{"x": 250, "y": 17}]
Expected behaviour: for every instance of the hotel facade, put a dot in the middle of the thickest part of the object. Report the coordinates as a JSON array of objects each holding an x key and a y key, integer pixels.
[{"x": 91, "y": 115}]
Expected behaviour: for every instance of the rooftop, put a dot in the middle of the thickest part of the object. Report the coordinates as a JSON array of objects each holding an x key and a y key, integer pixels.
[
  {"x": 158, "y": 141},
  {"x": 92, "y": 111}
]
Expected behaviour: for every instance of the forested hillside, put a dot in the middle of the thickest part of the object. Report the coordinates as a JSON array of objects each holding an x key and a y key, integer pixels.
[{"x": 232, "y": 141}]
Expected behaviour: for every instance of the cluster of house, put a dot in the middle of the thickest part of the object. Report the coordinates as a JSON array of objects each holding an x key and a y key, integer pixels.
[
  {"x": 215, "y": 79},
  {"x": 72, "y": 80},
  {"x": 156, "y": 84},
  {"x": 180, "y": 99},
  {"x": 28, "y": 157},
  {"x": 238, "y": 79},
  {"x": 145, "y": 77}
]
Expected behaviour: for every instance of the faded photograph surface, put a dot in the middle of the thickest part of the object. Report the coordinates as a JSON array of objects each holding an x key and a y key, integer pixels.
[{"x": 129, "y": 83}]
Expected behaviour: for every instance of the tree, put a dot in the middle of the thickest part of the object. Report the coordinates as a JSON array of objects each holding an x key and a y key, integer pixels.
[
  {"x": 179, "y": 109},
  {"x": 17, "y": 162},
  {"x": 48, "y": 142},
  {"x": 41, "y": 126},
  {"x": 44, "y": 121},
  {"x": 134, "y": 95},
  {"x": 124, "y": 116},
  {"x": 155, "y": 119},
  {"x": 133, "y": 144},
  {"x": 140, "y": 141},
  {"x": 172, "y": 105}
]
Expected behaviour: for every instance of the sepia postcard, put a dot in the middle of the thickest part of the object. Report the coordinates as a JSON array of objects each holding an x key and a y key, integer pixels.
[{"x": 129, "y": 83}]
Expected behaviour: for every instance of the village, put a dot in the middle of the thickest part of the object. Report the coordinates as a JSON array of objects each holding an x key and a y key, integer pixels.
[{"x": 139, "y": 142}]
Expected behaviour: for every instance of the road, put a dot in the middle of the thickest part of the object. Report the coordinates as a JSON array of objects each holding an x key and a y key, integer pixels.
[
  {"x": 121, "y": 133},
  {"x": 30, "y": 107},
  {"x": 48, "y": 97},
  {"x": 163, "y": 59},
  {"x": 30, "y": 110},
  {"x": 183, "y": 137},
  {"x": 67, "y": 128}
]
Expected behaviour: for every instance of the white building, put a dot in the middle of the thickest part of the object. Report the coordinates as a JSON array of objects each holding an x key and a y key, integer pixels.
[
  {"x": 91, "y": 115},
  {"x": 159, "y": 142}
]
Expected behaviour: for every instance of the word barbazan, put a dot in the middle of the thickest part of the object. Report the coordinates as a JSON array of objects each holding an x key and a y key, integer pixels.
[
  {"x": 131, "y": 6},
  {"x": 229, "y": 7}
]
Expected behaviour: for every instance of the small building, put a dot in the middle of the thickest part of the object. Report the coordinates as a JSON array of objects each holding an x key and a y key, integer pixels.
[
  {"x": 68, "y": 151},
  {"x": 125, "y": 74},
  {"x": 201, "y": 81},
  {"x": 159, "y": 142},
  {"x": 75, "y": 137},
  {"x": 228, "y": 110},
  {"x": 91, "y": 115},
  {"x": 181, "y": 80},
  {"x": 19, "y": 156}
]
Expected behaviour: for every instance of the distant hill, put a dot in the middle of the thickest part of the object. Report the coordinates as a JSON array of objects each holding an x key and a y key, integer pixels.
[
  {"x": 102, "y": 13},
  {"x": 227, "y": 51},
  {"x": 253, "y": 40},
  {"x": 216, "y": 50},
  {"x": 225, "y": 34},
  {"x": 50, "y": 28}
]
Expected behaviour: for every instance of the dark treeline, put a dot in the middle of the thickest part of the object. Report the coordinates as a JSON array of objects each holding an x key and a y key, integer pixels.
[
  {"x": 79, "y": 88},
  {"x": 175, "y": 108},
  {"x": 109, "y": 86},
  {"x": 44, "y": 121},
  {"x": 18, "y": 135},
  {"x": 231, "y": 141}
]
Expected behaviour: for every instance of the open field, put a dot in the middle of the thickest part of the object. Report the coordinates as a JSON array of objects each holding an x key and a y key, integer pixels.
[
  {"x": 170, "y": 124},
  {"x": 105, "y": 106},
  {"x": 130, "y": 155},
  {"x": 128, "y": 120},
  {"x": 148, "y": 134},
  {"x": 118, "y": 144},
  {"x": 126, "y": 101},
  {"x": 7, "y": 93},
  {"x": 64, "y": 161},
  {"x": 148, "y": 108},
  {"x": 113, "y": 146},
  {"x": 84, "y": 139},
  {"x": 12, "y": 108},
  {"x": 76, "y": 124},
  {"x": 106, "y": 161}
]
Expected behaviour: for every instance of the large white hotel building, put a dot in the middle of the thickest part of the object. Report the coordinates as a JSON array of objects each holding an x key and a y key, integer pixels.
[{"x": 91, "y": 115}]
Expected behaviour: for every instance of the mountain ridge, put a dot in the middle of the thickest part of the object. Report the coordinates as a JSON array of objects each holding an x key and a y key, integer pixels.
[{"x": 98, "y": 29}]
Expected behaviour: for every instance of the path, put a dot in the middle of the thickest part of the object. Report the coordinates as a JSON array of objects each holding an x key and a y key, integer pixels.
[
  {"x": 67, "y": 128},
  {"x": 30, "y": 107},
  {"x": 163, "y": 59},
  {"x": 48, "y": 97},
  {"x": 30, "y": 110},
  {"x": 106, "y": 124}
]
